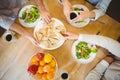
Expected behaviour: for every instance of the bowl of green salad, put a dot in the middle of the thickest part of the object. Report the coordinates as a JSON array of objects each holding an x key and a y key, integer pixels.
[
  {"x": 29, "y": 16},
  {"x": 83, "y": 52},
  {"x": 81, "y": 23}
]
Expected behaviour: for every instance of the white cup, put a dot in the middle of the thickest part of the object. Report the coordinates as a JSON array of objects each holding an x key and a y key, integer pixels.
[{"x": 9, "y": 36}]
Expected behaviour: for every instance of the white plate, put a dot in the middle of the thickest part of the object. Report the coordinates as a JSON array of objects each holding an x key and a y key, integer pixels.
[
  {"x": 85, "y": 22},
  {"x": 41, "y": 25},
  {"x": 82, "y": 60},
  {"x": 25, "y": 24}
]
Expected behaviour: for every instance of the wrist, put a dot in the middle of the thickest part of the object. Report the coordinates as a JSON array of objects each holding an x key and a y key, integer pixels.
[
  {"x": 65, "y": 2},
  {"x": 76, "y": 36},
  {"x": 41, "y": 8},
  {"x": 91, "y": 14}
]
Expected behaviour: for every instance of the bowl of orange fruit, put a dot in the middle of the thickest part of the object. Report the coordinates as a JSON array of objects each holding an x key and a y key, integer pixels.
[{"x": 42, "y": 66}]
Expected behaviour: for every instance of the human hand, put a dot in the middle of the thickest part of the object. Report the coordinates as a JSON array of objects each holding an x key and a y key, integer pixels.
[
  {"x": 33, "y": 40},
  {"x": 46, "y": 17},
  {"x": 70, "y": 35},
  {"x": 20, "y": 30},
  {"x": 44, "y": 13},
  {"x": 83, "y": 15}
]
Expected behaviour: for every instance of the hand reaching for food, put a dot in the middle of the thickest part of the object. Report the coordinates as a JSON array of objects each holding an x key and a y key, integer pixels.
[{"x": 70, "y": 35}]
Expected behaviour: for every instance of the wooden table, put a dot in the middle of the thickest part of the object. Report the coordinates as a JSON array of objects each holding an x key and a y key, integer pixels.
[{"x": 14, "y": 57}]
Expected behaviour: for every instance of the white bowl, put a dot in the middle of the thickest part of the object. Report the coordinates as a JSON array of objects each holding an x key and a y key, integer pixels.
[
  {"x": 25, "y": 24},
  {"x": 82, "y": 23},
  {"x": 82, "y": 60}
]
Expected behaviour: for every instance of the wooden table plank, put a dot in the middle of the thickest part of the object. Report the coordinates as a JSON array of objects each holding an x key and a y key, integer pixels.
[{"x": 14, "y": 57}]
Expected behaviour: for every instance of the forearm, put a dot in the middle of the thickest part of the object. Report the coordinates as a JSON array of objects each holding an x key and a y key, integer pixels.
[
  {"x": 90, "y": 14},
  {"x": 40, "y": 4},
  {"x": 65, "y": 2},
  {"x": 18, "y": 29},
  {"x": 105, "y": 42}
]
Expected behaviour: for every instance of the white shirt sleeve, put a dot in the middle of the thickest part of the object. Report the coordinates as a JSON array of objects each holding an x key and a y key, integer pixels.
[
  {"x": 101, "y": 8},
  {"x": 111, "y": 45}
]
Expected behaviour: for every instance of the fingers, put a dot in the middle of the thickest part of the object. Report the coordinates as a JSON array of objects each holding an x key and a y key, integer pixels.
[
  {"x": 47, "y": 19},
  {"x": 68, "y": 16},
  {"x": 36, "y": 44},
  {"x": 80, "y": 16},
  {"x": 76, "y": 19},
  {"x": 65, "y": 34},
  {"x": 66, "y": 38}
]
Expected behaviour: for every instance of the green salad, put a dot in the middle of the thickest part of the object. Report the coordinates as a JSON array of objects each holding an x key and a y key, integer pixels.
[
  {"x": 83, "y": 50},
  {"x": 78, "y": 9},
  {"x": 30, "y": 15},
  {"x": 82, "y": 21}
]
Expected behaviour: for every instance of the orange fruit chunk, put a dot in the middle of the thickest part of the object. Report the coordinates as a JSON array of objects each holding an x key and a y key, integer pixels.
[
  {"x": 42, "y": 63},
  {"x": 35, "y": 63},
  {"x": 44, "y": 76},
  {"x": 50, "y": 75},
  {"x": 39, "y": 75},
  {"x": 34, "y": 59},
  {"x": 40, "y": 69},
  {"x": 52, "y": 69},
  {"x": 52, "y": 63},
  {"x": 46, "y": 68}
]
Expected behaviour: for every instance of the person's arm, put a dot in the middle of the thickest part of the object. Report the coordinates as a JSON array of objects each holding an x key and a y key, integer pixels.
[
  {"x": 44, "y": 13},
  {"x": 67, "y": 8},
  {"x": 17, "y": 28},
  {"x": 84, "y": 15},
  {"x": 100, "y": 10},
  {"x": 70, "y": 35},
  {"x": 9, "y": 24},
  {"x": 111, "y": 45}
]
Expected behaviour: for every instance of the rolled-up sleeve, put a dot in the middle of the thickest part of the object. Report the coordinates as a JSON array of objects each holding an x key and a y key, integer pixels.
[
  {"x": 101, "y": 8},
  {"x": 6, "y": 22}
]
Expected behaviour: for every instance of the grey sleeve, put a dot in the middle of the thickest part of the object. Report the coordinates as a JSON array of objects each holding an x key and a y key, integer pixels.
[
  {"x": 101, "y": 8},
  {"x": 98, "y": 71},
  {"x": 6, "y": 22},
  {"x": 103, "y": 5}
]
